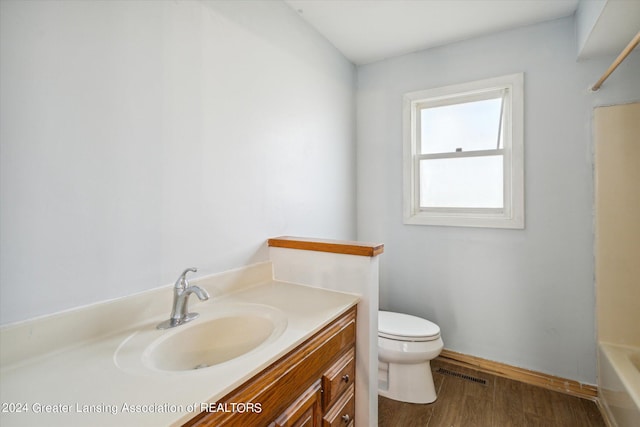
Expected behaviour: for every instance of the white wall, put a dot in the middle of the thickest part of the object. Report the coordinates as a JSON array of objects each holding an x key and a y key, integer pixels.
[
  {"x": 139, "y": 138},
  {"x": 521, "y": 297}
]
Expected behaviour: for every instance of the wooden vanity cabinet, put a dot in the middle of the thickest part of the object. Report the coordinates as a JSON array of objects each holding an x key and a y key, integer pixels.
[{"x": 313, "y": 385}]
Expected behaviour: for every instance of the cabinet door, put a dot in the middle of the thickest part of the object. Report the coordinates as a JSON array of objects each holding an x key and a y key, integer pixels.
[{"x": 306, "y": 411}]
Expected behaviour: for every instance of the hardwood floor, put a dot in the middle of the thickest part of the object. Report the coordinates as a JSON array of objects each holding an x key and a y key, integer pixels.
[{"x": 499, "y": 402}]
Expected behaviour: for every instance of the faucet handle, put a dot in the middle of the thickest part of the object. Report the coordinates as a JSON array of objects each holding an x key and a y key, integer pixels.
[{"x": 182, "y": 280}]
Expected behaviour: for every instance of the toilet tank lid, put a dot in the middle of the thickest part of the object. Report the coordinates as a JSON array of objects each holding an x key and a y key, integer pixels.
[{"x": 406, "y": 325}]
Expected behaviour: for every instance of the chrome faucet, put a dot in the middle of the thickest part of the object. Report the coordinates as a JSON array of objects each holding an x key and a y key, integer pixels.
[{"x": 181, "y": 291}]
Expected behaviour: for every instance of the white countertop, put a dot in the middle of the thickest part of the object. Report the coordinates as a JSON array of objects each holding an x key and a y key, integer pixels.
[{"x": 81, "y": 384}]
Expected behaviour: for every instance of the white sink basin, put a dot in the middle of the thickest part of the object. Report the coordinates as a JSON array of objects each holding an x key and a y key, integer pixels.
[
  {"x": 222, "y": 333},
  {"x": 209, "y": 343}
]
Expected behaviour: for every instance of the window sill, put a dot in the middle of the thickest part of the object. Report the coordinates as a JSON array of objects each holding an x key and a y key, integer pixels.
[{"x": 465, "y": 220}]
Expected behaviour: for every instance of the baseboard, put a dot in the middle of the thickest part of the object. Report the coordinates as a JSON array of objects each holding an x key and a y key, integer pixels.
[{"x": 540, "y": 379}]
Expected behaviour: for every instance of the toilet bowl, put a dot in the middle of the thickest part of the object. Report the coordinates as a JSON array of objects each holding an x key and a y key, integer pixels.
[{"x": 406, "y": 346}]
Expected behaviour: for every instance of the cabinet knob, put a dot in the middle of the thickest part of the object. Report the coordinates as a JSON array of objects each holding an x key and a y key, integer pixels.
[
  {"x": 345, "y": 378},
  {"x": 346, "y": 418}
]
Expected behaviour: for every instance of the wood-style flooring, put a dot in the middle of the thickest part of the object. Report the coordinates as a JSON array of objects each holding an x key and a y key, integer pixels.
[{"x": 498, "y": 403}]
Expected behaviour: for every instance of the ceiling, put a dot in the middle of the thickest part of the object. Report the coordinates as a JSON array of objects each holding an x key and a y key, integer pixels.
[{"x": 366, "y": 31}]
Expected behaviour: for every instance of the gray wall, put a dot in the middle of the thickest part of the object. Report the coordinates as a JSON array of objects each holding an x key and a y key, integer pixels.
[
  {"x": 142, "y": 137},
  {"x": 522, "y": 297}
]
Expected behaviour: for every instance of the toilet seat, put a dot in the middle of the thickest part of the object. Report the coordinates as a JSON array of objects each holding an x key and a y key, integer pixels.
[{"x": 404, "y": 327}]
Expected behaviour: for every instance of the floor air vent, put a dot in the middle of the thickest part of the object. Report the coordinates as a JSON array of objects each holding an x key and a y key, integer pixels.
[{"x": 463, "y": 376}]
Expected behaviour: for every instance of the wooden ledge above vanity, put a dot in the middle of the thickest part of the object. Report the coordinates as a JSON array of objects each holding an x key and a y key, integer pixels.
[{"x": 323, "y": 245}]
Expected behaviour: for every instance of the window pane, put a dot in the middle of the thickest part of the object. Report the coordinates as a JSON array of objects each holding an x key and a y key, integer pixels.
[
  {"x": 469, "y": 126},
  {"x": 463, "y": 182}
]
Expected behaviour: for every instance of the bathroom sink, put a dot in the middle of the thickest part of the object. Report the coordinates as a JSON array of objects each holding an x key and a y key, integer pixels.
[
  {"x": 223, "y": 333},
  {"x": 209, "y": 343}
]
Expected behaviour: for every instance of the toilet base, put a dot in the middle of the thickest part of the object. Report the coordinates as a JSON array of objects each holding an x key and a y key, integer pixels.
[{"x": 411, "y": 383}]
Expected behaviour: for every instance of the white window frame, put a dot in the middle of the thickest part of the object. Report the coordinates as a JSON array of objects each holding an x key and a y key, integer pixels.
[{"x": 512, "y": 213}]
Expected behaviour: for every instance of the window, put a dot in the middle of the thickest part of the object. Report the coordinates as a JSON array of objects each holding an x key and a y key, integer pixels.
[{"x": 463, "y": 154}]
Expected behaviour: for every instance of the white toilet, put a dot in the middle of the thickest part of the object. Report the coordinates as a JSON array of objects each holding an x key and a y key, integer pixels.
[{"x": 406, "y": 346}]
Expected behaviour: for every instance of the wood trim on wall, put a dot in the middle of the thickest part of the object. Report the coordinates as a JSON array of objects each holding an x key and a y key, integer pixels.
[
  {"x": 527, "y": 376},
  {"x": 323, "y": 245}
]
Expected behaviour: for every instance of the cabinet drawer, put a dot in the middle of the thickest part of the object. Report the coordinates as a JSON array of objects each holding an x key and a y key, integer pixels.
[
  {"x": 338, "y": 378},
  {"x": 342, "y": 412}
]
